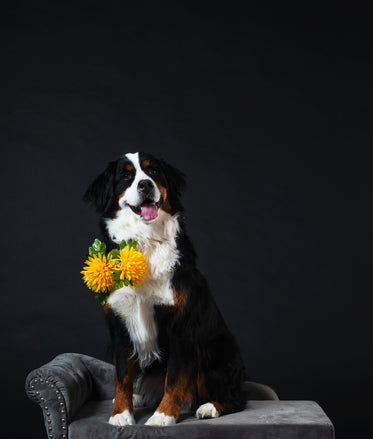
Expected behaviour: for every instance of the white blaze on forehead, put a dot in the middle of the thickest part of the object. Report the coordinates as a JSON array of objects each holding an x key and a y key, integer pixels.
[
  {"x": 140, "y": 174},
  {"x": 132, "y": 196}
]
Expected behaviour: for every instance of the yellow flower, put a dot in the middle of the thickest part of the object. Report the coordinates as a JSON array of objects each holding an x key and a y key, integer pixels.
[
  {"x": 132, "y": 266},
  {"x": 97, "y": 273}
]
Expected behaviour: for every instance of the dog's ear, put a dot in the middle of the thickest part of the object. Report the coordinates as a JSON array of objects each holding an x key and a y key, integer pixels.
[{"x": 101, "y": 191}]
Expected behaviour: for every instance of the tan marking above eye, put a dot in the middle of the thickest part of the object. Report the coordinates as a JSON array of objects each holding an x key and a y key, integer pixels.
[
  {"x": 145, "y": 164},
  {"x": 130, "y": 167}
]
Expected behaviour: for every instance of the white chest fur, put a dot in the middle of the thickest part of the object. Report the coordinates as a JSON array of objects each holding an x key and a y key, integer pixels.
[{"x": 157, "y": 241}]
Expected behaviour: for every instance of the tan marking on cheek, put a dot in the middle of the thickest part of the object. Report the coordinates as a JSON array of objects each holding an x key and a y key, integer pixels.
[
  {"x": 130, "y": 167},
  {"x": 166, "y": 206},
  {"x": 145, "y": 164},
  {"x": 175, "y": 397},
  {"x": 124, "y": 390},
  {"x": 163, "y": 191},
  {"x": 120, "y": 197}
]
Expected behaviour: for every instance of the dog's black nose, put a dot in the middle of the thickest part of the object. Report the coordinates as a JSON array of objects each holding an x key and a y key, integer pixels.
[{"x": 145, "y": 187}]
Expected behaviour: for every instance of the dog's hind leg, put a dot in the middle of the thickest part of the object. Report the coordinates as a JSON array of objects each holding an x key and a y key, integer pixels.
[
  {"x": 222, "y": 374},
  {"x": 209, "y": 410},
  {"x": 137, "y": 400}
]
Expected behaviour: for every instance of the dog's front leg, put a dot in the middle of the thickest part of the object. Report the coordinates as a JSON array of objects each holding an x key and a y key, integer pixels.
[
  {"x": 177, "y": 388},
  {"x": 125, "y": 371},
  {"x": 122, "y": 413},
  {"x": 173, "y": 400}
]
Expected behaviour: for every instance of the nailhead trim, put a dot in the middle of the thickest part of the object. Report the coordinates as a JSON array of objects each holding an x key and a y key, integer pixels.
[{"x": 42, "y": 402}]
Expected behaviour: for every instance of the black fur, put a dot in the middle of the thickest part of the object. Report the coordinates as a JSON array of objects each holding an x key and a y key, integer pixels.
[{"x": 192, "y": 341}]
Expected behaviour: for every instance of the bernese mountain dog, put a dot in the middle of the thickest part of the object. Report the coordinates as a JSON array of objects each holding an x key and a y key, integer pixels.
[{"x": 169, "y": 340}]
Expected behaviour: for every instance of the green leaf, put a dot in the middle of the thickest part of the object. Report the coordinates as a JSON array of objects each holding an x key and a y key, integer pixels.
[
  {"x": 91, "y": 251},
  {"x": 119, "y": 284},
  {"x": 96, "y": 245},
  {"x": 103, "y": 248},
  {"x": 131, "y": 243},
  {"x": 122, "y": 244},
  {"x": 115, "y": 275},
  {"x": 126, "y": 282},
  {"x": 115, "y": 253},
  {"x": 102, "y": 297}
]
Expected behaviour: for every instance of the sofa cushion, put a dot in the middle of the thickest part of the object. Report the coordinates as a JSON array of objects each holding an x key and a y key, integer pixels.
[{"x": 260, "y": 420}]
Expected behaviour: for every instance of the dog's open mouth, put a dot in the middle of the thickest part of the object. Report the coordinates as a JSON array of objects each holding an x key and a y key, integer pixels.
[{"x": 148, "y": 209}]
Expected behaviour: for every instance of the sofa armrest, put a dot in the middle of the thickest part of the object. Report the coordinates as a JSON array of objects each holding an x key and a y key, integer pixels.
[
  {"x": 258, "y": 392},
  {"x": 61, "y": 387},
  {"x": 103, "y": 377}
]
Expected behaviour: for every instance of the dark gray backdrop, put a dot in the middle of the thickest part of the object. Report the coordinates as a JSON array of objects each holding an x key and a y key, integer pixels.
[{"x": 265, "y": 109}]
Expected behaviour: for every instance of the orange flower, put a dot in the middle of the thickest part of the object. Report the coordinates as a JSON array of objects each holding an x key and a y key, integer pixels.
[
  {"x": 132, "y": 266},
  {"x": 97, "y": 273}
]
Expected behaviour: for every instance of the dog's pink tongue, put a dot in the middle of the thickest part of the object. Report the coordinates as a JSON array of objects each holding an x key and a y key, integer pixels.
[{"x": 149, "y": 212}]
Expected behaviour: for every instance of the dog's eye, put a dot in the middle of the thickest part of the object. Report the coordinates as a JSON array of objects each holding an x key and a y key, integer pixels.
[
  {"x": 152, "y": 171},
  {"x": 127, "y": 176}
]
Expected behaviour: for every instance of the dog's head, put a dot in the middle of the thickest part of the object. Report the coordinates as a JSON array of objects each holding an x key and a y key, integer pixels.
[{"x": 139, "y": 184}]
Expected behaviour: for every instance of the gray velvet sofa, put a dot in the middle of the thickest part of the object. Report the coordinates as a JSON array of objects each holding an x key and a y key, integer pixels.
[{"x": 75, "y": 393}]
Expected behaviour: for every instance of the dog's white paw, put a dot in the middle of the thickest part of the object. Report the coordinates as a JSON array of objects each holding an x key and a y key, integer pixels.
[
  {"x": 160, "y": 419},
  {"x": 137, "y": 400},
  {"x": 207, "y": 410},
  {"x": 122, "y": 419}
]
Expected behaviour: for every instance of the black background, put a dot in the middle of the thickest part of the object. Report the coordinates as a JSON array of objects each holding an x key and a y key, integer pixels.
[{"x": 267, "y": 109}]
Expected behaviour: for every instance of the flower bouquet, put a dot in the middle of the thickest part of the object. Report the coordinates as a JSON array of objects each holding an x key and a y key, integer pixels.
[{"x": 105, "y": 272}]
